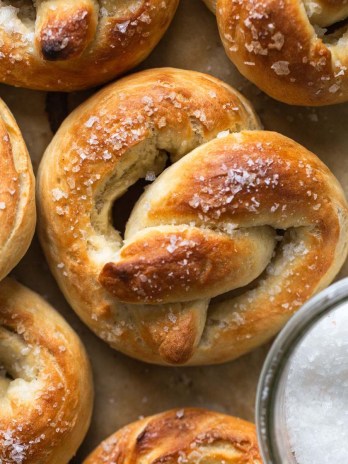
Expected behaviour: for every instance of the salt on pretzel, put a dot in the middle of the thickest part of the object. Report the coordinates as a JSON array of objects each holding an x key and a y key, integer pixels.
[
  {"x": 74, "y": 44},
  {"x": 45, "y": 381},
  {"x": 17, "y": 194},
  {"x": 294, "y": 50},
  {"x": 219, "y": 251},
  {"x": 184, "y": 436}
]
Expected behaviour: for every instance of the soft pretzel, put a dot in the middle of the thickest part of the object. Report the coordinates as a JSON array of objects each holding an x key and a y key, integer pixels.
[
  {"x": 17, "y": 194},
  {"x": 205, "y": 228},
  {"x": 181, "y": 436},
  {"x": 74, "y": 44},
  {"x": 45, "y": 381},
  {"x": 294, "y": 50}
]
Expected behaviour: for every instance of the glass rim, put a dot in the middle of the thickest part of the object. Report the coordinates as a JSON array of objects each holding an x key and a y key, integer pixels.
[{"x": 279, "y": 353}]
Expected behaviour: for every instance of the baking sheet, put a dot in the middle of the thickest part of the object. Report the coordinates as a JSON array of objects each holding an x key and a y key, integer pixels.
[{"x": 126, "y": 389}]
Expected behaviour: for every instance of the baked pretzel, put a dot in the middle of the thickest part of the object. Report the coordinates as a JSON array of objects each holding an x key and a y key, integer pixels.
[
  {"x": 17, "y": 194},
  {"x": 294, "y": 50},
  {"x": 208, "y": 226},
  {"x": 74, "y": 44},
  {"x": 181, "y": 436},
  {"x": 45, "y": 381}
]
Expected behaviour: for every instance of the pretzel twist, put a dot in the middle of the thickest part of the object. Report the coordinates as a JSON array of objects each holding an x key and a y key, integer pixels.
[
  {"x": 207, "y": 226},
  {"x": 189, "y": 435},
  {"x": 17, "y": 196},
  {"x": 74, "y": 44},
  {"x": 45, "y": 381},
  {"x": 294, "y": 50}
]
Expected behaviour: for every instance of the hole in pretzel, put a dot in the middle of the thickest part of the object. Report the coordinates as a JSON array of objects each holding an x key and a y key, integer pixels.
[
  {"x": 329, "y": 32},
  {"x": 7, "y": 376},
  {"x": 4, "y": 374},
  {"x": 122, "y": 208},
  {"x": 14, "y": 363},
  {"x": 335, "y": 31}
]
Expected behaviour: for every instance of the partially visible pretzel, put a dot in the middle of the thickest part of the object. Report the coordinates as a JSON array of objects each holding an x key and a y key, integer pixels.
[
  {"x": 294, "y": 50},
  {"x": 45, "y": 381},
  {"x": 206, "y": 227},
  {"x": 17, "y": 194},
  {"x": 74, "y": 44},
  {"x": 181, "y": 436}
]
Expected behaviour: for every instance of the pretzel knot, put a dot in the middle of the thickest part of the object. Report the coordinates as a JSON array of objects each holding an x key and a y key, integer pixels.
[
  {"x": 293, "y": 50},
  {"x": 218, "y": 252},
  {"x": 45, "y": 44}
]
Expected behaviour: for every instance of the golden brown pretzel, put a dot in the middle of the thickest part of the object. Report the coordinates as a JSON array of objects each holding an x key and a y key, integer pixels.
[
  {"x": 74, "y": 44},
  {"x": 181, "y": 436},
  {"x": 45, "y": 381},
  {"x": 294, "y": 50},
  {"x": 17, "y": 194},
  {"x": 206, "y": 227}
]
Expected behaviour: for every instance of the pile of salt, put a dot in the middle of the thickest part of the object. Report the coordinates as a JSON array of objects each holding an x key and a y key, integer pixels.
[{"x": 316, "y": 392}]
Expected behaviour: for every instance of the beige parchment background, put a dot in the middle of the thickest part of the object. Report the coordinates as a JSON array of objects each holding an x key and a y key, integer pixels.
[{"x": 126, "y": 389}]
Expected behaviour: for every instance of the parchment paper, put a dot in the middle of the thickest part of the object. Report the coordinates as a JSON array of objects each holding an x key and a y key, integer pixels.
[{"x": 126, "y": 389}]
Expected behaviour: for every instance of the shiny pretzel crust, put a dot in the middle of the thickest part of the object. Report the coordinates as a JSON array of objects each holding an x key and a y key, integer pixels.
[
  {"x": 17, "y": 194},
  {"x": 186, "y": 436}
]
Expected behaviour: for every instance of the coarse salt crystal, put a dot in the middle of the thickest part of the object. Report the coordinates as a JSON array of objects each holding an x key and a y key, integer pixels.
[
  {"x": 150, "y": 176},
  {"x": 91, "y": 121},
  {"x": 58, "y": 194},
  {"x": 223, "y": 134},
  {"x": 281, "y": 68},
  {"x": 122, "y": 27},
  {"x": 334, "y": 88}
]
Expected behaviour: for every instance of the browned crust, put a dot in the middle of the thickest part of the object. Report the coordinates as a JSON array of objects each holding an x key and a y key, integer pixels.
[
  {"x": 274, "y": 45},
  {"x": 9, "y": 193},
  {"x": 45, "y": 416},
  {"x": 74, "y": 50},
  {"x": 177, "y": 341},
  {"x": 183, "y": 265},
  {"x": 177, "y": 347},
  {"x": 190, "y": 434},
  {"x": 17, "y": 194},
  {"x": 66, "y": 39}
]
